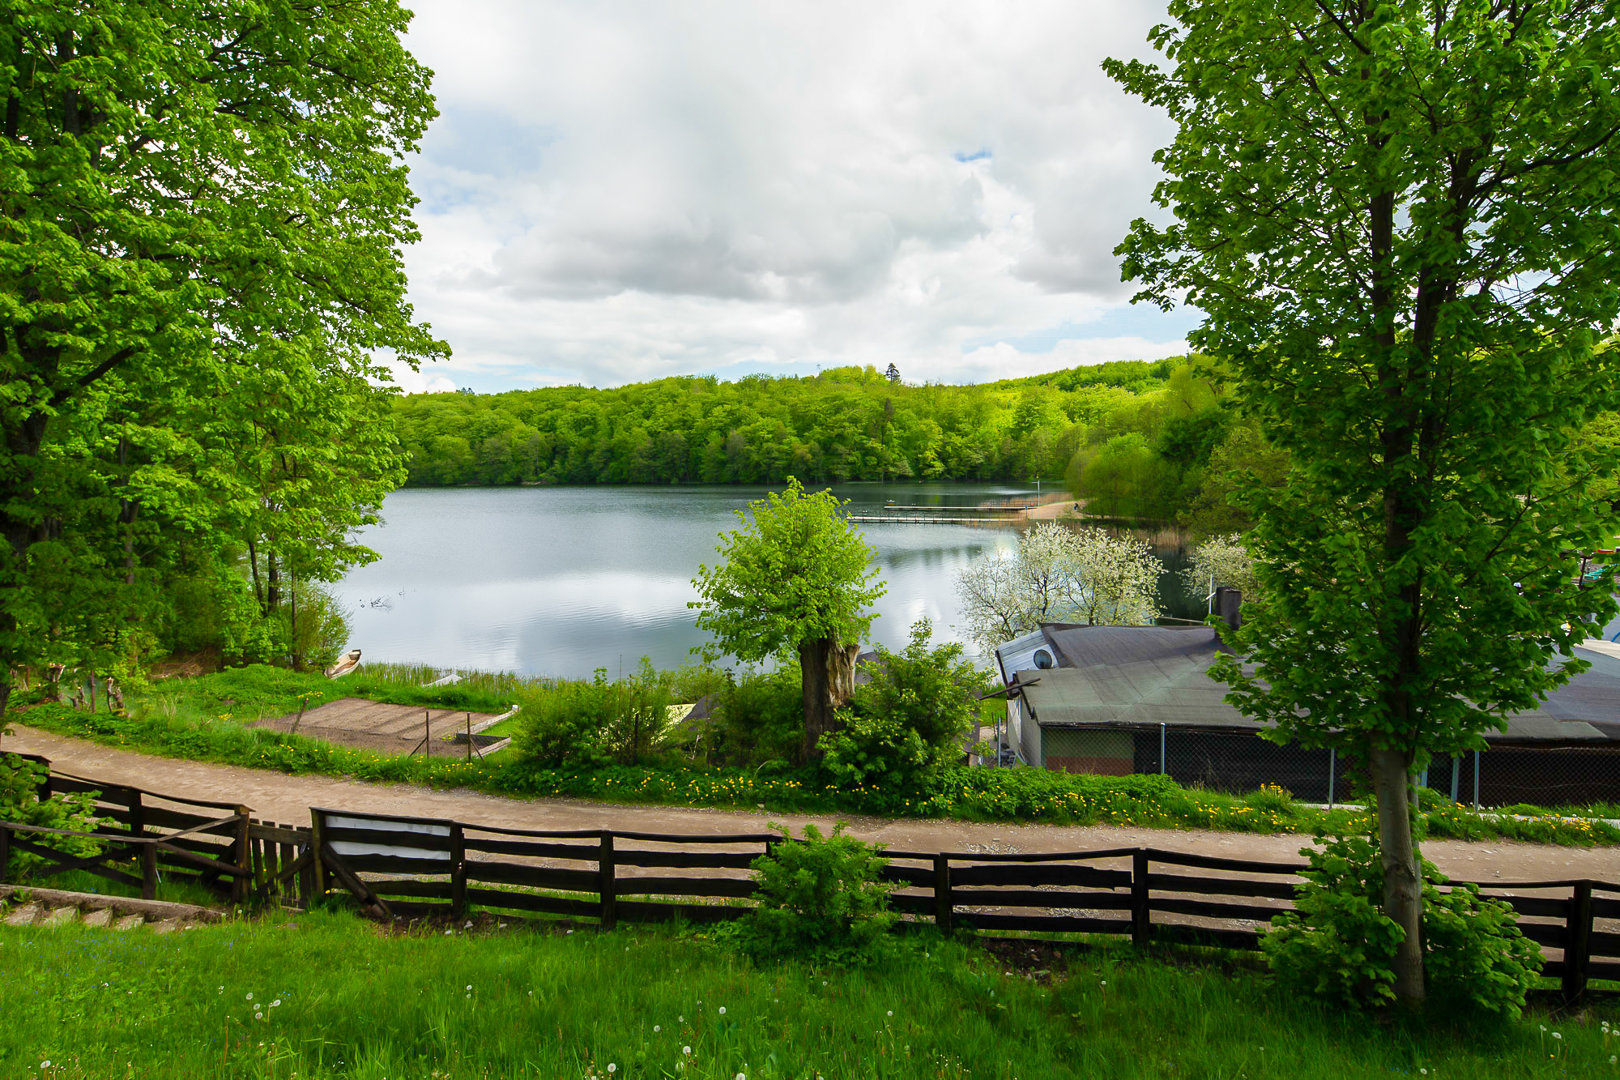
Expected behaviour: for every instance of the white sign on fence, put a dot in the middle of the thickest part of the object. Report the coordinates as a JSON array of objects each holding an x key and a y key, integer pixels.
[{"x": 398, "y": 851}]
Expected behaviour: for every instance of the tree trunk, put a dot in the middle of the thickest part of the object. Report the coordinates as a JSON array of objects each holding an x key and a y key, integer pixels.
[
  {"x": 827, "y": 671},
  {"x": 1403, "y": 883}
]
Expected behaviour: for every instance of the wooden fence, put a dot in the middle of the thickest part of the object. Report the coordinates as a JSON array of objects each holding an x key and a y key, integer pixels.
[
  {"x": 145, "y": 837},
  {"x": 425, "y": 866}
]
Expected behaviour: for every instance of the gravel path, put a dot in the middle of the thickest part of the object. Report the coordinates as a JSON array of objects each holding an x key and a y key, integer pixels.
[{"x": 278, "y": 797}]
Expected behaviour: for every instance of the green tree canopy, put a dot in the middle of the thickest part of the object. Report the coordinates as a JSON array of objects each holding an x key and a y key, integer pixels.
[
  {"x": 202, "y": 214},
  {"x": 1402, "y": 221},
  {"x": 797, "y": 577}
]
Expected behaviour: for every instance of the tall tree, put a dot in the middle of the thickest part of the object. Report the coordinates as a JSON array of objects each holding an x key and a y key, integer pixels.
[
  {"x": 1059, "y": 575},
  {"x": 187, "y": 190},
  {"x": 797, "y": 577},
  {"x": 1402, "y": 221}
]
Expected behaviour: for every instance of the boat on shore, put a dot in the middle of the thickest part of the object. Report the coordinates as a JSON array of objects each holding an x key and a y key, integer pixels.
[{"x": 345, "y": 664}]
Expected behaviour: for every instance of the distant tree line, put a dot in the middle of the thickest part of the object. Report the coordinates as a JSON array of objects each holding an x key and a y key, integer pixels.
[{"x": 1135, "y": 438}]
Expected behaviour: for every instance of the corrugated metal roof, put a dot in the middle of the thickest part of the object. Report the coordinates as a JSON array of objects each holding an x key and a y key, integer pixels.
[{"x": 1149, "y": 675}]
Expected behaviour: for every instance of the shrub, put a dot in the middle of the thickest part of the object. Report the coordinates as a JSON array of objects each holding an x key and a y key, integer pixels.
[
  {"x": 820, "y": 899},
  {"x": 20, "y": 781},
  {"x": 1340, "y": 946},
  {"x": 913, "y": 716},
  {"x": 757, "y": 717},
  {"x": 576, "y": 723}
]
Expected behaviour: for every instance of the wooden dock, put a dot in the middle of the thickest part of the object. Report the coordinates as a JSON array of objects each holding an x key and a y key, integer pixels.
[{"x": 917, "y": 519}]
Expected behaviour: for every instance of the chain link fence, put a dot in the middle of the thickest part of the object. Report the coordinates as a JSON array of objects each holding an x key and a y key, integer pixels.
[{"x": 1240, "y": 761}]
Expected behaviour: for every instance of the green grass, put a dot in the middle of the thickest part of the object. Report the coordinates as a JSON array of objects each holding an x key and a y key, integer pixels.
[
  {"x": 323, "y": 995},
  {"x": 175, "y": 888},
  {"x": 206, "y": 719}
]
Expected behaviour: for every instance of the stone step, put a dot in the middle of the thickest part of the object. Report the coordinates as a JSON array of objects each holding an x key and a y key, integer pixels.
[
  {"x": 167, "y": 926},
  {"x": 129, "y": 922},
  {"x": 99, "y": 917},
  {"x": 24, "y": 916},
  {"x": 60, "y": 916}
]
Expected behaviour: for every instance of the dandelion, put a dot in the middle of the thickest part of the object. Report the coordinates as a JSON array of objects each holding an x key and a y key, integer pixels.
[
  {"x": 656, "y": 1029},
  {"x": 612, "y": 1068},
  {"x": 45, "y": 1064},
  {"x": 276, "y": 1004},
  {"x": 258, "y": 1016},
  {"x": 889, "y": 1013},
  {"x": 1558, "y": 1035},
  {"x": 469, "y": 986},
  {"x": 250, "y": 998},
  {"x": 687, "y": 1050},
  {"x": 722, "y": 1010}
]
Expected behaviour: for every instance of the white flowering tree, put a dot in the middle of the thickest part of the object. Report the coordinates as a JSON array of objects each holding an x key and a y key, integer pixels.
[
  {"x": 1058, "y": 575},
  {"x": 1221, "y": 560}
]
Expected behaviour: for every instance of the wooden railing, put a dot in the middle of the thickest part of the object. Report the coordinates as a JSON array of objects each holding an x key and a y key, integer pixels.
[{"x": 425, "y": 866}]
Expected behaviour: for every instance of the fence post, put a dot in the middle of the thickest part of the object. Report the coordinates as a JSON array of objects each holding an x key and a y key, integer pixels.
[
  {"x": 317, "y": 841},
  {"x": 944, "y": 904},
  {"x": 458, "y": 870},
  {"x": 148, "y": 871},
  {"x": 306, "y": 876},
  {"x": 1333, "y": 774},
  {"x": 137, "y": 813},
  {"x": 1476, "y": 781},
  {"x": 608, "y": 887},
  {"x": 1141, "y": 910},
  {"x": 1577, "y": 942},
  {"x": 244, "y": 857},
  {"x": 1164, "y": 769},
  {"x": 5, "y": 852},
  {"x": 1456, "y": 776}
]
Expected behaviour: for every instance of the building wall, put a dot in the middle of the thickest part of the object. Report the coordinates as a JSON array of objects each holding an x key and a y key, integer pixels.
[
  {"x": 1106, "y": 753},
  {"x": 1028, "y": 734}
]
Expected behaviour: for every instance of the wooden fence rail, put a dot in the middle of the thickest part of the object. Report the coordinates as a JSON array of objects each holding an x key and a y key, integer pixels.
[{"x": 416, "y": 866}]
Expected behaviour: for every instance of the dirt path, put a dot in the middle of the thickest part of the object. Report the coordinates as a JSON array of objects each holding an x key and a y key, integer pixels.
[{"x": 278, "y": 797}]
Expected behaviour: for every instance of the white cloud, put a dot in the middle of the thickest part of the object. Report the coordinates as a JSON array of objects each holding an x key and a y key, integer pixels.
[{"x": 619, "y": 192}]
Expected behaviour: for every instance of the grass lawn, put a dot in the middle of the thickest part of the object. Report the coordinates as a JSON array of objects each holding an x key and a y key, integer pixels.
[{"x": 324, "y": 995}]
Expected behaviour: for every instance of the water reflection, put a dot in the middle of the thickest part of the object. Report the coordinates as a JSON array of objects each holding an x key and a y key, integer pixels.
[{"x": 560, "y": 581}]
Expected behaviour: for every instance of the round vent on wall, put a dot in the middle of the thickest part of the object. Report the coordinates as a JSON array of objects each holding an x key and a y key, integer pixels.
[{"x": 1043, "y": 659}]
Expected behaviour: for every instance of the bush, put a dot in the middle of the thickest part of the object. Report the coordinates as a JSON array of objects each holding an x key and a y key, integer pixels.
[
  {"x": 20, "y": 781},
  {"x": 576, "y": 723},
  {"x": 1340, "y": 946},
  {"x": 913, "y": 716},
  {"x": 820, "y": 899},
  {"x": 757, "y": 717}
]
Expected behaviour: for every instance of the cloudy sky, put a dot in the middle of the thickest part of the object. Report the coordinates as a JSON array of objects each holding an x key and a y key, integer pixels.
[{"x": 616, "y": 192}]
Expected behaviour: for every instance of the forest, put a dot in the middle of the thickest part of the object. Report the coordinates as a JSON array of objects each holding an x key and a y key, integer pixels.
[{"x": 1136, "y": 439}]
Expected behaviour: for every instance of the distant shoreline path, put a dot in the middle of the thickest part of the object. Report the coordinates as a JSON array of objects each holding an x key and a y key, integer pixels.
[{"x": 278, "y": 797}]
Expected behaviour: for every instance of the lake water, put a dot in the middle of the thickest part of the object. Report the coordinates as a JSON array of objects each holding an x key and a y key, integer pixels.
[{"x": 561, "y": 581}]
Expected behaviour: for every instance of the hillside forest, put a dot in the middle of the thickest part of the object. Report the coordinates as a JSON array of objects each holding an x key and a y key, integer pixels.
[{"x": 1135, "y": 439}]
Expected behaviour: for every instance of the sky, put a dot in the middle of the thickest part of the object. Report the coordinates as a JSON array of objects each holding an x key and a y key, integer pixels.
[{"x": 616, "y": 192}]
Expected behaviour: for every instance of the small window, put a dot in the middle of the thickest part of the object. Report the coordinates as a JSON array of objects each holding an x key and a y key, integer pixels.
[{"x": 1043, "y": 659}]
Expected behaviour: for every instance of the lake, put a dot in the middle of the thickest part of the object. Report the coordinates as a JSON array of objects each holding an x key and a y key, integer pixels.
[{"x": 561, "y": 581}]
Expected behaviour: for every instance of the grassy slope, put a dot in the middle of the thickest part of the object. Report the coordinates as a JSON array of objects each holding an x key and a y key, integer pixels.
[{"x": 334, "y": 998}]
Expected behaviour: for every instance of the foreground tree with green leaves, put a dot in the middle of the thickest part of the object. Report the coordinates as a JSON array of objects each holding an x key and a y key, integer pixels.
[
  {"x": 798, "y": 577},
  {"x": 202, "y": 215},
  {"x": 1402, "y": 221}
]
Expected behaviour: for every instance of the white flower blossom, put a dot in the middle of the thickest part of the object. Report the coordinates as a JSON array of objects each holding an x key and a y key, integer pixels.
[{"x": 1059, "y": 575}]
